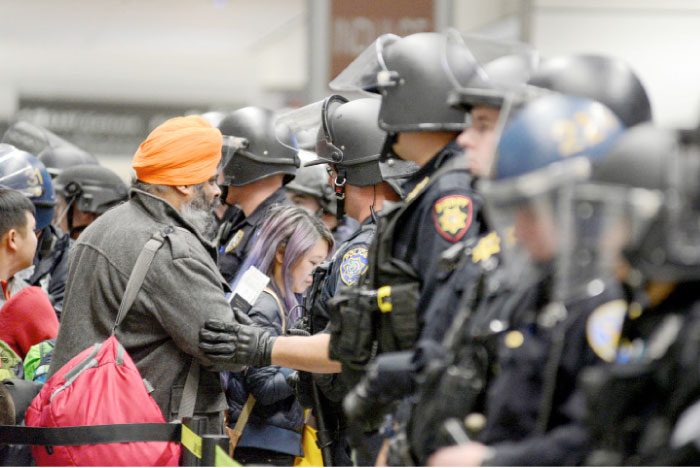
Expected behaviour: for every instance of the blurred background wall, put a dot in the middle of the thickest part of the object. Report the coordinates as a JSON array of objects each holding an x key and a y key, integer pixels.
[{"x": 103, "y": 73}]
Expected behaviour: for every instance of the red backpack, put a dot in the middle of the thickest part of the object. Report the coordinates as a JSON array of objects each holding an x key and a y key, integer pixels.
[{"x": 102, "y": 385}]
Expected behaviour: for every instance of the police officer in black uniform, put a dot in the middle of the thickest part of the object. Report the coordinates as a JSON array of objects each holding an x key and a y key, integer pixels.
[
  {"x": 348, "y": 141},
  {"x": 643, "y": 408},
  {"x": 22, "y": 171},
  {"x": 255, "y": 168},
  {"x": 85, "y": 192},
  {"x": 440, "y": 207}
]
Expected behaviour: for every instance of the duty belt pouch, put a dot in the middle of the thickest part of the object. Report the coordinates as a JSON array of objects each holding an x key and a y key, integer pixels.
[
  {"x": 352, "y": 327},
  {"x": 398, "y": 316}
]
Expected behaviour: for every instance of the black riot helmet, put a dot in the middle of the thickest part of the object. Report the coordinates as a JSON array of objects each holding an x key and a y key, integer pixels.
[
  {"x": 667, "y": 246},
  {"x": 605, "y": 79},
  {"x": 500, "y": 69},
  {"x": 252, "y": 148},
  {"x": 90, "y": 188},
  {"x": 53, "y": 151},
  {"x": 409, "y": 74},
  {"x": 345, "y": 135},
  {"x": 313, "y": 181}
]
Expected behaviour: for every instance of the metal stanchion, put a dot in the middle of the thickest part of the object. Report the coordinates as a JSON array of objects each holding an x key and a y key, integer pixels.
[
  {"x": 209, "y": 444},
  {"x": 196, "y": 424}
]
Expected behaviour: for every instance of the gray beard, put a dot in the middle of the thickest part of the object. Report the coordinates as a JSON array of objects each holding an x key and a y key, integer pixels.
[{"x": 200, "y": 215}]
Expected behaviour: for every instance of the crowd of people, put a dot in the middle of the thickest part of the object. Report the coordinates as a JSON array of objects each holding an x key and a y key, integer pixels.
[{"x": 496, "y": 267}]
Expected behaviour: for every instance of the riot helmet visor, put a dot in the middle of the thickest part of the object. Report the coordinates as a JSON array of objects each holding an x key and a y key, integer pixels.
[{"x": 368, "y": 72}]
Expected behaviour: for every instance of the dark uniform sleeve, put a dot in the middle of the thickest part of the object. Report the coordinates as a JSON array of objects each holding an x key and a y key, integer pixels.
[
  {"x": 446, "y": 217},
  {"x": 564, "y": 446}
]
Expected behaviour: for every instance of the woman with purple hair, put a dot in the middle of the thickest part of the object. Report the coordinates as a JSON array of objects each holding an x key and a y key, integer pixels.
[{"x": 290, "y": 244}]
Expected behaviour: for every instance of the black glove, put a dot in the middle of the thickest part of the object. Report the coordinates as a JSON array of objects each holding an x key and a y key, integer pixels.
[
  {"x": 301, "y": 383},
  {"x": 236, "y": 343}
]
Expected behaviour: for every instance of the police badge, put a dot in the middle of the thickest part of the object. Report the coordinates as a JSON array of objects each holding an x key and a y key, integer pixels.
[
  {"x": 235, "y": 240},
  {"x": 354, "y": 265}
]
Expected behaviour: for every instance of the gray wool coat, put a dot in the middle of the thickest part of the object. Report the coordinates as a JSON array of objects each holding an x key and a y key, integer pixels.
[{"x": 183, "y": 288}]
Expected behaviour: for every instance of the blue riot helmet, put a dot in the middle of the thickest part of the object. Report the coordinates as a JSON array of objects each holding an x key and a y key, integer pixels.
[
  {"x": 21, "y": 171},
  {"x": 552, "y": 226}
]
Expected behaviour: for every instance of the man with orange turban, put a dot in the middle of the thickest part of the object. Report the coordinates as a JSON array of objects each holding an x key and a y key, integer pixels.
[{"x": 175, "y": 190}]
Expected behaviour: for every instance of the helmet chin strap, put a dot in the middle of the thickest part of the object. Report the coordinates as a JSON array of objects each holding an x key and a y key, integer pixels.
[
  {"x": 371, "y": 207},
  {"x": 339, "y": 186},
  {"x": 224, "y": 194},
  {"x": 388, "y": 147}
]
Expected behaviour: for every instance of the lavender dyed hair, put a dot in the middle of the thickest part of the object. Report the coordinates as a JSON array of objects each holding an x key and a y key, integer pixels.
[{"x": 298, "y": 231}]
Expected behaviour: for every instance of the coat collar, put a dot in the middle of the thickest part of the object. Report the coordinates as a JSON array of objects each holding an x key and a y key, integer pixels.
[{"x": 163, "y": 212}]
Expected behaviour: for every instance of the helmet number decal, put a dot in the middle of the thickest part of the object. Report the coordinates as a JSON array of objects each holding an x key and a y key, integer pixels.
[
  {"x": 34, "y": 177},
  {"x": 583, "y": 130}
]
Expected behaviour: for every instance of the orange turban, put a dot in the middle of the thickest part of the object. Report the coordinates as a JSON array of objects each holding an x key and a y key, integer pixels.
[{"x": 180, "y": 151}]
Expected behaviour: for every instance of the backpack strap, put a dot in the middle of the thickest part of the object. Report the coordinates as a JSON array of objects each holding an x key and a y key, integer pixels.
[
  {"x": 138, "y": 273},
  {"x": 279, "y": 304}
]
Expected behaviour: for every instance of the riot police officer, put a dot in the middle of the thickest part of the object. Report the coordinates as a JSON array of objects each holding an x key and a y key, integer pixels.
[
  {"x": 347, "y": 140},
  {"x": 255, "y": 168},
  {"x": 22, "y": 171},
  {"x": 440, "y": 207},
  {"x": 505, "y": 69},
  {"x": 53, "y": 151},
  {"x": 84, "y": 192}
]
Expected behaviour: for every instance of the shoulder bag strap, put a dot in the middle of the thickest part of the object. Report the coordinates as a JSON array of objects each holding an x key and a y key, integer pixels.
[
  {"x": 279, "y": 304},
  {"x": 138, "y": 273},
  {"x": 235, "y": 434}
]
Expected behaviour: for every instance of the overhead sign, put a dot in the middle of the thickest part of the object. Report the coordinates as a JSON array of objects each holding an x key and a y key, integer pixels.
[
  {"x": 355, "y": 24},
  {"x": 100, "y": 128}
]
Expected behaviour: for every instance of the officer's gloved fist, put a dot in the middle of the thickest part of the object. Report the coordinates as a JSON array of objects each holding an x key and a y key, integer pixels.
[{"x": 236, "y": 343}]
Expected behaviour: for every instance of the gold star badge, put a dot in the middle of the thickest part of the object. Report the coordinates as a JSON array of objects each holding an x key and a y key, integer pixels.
[{"x": 452, "y": 216}]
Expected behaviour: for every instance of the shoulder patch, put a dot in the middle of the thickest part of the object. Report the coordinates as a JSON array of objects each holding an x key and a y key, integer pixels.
[
  {"x": 354, "y": 265},
  {"x": 487, "y": 247},
  {"x": 235, "y": 240},
  {"x": 603, "y": 328},
  {"x": 452, "y": 216}
]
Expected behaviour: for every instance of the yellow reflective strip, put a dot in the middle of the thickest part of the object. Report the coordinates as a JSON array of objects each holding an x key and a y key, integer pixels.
[
  {"x": 382, "y": 294},
  {"x": 221, "y": 458},
  {"x": 191, "y": 441}
]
